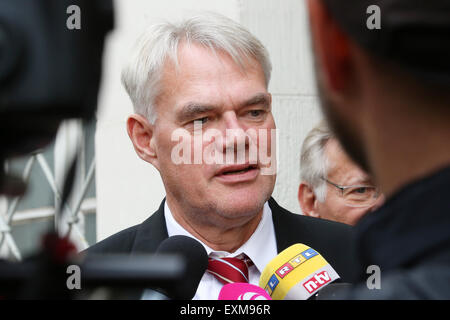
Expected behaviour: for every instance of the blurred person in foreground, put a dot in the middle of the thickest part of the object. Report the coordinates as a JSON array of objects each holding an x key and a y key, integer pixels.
[
  {"x": 199, "y": 80},
  {"x": 332, "y": 186},
  {"x": 385, "y": 92}
]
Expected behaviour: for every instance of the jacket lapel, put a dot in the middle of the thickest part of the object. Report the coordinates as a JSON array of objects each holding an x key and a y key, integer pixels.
[
  {"x": 151, "y": 232},
  {"x": 285, "y": 237}
]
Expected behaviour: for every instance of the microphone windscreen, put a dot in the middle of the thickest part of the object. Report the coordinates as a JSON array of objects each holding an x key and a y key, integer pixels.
[
  {"x": 242, "y": 291},
  {"x": 196, "y": 260},
  {"x": 297, "y": 273},
  {"x": 334, "y": 291}
]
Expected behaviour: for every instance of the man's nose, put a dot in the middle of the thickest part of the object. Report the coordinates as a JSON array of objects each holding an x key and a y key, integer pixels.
[{"x": 235, "y": 137}]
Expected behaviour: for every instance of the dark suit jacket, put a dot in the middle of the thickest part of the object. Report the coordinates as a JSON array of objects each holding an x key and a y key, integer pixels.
[{"x": 334, "y": 241}]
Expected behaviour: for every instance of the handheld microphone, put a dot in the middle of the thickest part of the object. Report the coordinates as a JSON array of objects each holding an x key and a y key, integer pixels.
[
  {"x": 242, "y": 291},
  {"x": 335, "y": 291},
  {"x": 196, "y": 262},
  {"x": 297, "y": 273}
]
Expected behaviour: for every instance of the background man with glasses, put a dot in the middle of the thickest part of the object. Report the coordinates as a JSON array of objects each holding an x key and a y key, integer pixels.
[
  {"x": 332, "y": 186},
  {"x": 386, "y": 95}
]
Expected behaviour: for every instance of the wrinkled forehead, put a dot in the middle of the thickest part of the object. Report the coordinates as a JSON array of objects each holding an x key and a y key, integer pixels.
[
  {"x": 200, "y": 72},
  {"x": 189, "y": 56},
  {"x": 185, "y": 48},
  {"x": 341, "y": 167}
]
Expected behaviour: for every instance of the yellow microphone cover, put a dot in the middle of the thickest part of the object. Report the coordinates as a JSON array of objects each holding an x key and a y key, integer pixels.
[{"x": 297, "y": 273}]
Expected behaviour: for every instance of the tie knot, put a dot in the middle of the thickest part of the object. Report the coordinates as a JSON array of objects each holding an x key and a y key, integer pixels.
[{"x": 230, "y": 270}]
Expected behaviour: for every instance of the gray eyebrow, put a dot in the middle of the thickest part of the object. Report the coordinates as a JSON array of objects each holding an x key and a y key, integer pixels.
[
  {"x": 191, "y": 110},
  {"x": 260, "y": 98}
]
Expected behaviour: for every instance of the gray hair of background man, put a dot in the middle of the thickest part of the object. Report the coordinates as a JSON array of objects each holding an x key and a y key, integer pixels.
[
  {"x": 141, "y": 74},
  {"x": 313, "y": 160}
]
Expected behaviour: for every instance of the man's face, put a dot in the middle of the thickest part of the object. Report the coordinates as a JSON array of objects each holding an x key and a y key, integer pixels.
[
  {"x": 342, "y": 125},
  {"x": 339, "y": 101},
  {"x": 214, "y": 93},
  {"x": 344, "y": 172}
]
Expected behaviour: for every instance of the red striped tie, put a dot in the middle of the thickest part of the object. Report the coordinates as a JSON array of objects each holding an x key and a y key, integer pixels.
[{"x": 229, "y": 270}]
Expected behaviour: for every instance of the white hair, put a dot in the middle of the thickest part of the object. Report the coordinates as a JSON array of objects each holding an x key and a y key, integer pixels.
[
  {"x": 141, "y": 74},
  {"x": 313, "y": 161}
]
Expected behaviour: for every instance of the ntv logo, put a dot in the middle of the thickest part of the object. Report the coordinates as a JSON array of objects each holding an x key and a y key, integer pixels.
[{"x": 317, "y": 281}]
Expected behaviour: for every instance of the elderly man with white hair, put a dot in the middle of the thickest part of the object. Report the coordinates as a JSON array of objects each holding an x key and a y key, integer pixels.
[
  {"x": 332, "y": 186},
  {"x": 196, "y": 81}
]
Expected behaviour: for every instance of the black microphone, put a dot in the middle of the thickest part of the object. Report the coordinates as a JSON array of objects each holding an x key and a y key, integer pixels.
[
  {"x": 334, "y": 291},
  {"x": 196, "y": 262}
]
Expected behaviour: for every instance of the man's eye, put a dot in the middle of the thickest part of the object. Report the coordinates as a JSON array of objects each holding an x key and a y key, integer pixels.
[
  {"x": 361, "y": 190},
  {"x": 201, "y": 120},
  {"x": 255, "y": 113}
]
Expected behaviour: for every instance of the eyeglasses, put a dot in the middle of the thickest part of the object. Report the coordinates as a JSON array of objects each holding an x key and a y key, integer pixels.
[{"x": 357, "y": 195}]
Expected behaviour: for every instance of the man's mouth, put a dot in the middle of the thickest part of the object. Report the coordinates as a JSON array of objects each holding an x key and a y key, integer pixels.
[
  {"x": 237, "y": 169},
  {"x": 250, "y": 167},
  {"x": 238, "y": 173}
]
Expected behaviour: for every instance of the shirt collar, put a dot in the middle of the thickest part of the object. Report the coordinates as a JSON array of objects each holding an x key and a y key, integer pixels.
[{"x": 260, "y": 247}]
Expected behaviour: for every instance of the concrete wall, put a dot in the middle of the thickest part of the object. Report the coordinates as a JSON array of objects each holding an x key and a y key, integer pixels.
[{"x": 129, "y": 189}]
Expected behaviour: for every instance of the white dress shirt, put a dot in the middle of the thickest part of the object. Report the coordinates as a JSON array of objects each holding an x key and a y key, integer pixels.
[{"x": 261, "y": 247}]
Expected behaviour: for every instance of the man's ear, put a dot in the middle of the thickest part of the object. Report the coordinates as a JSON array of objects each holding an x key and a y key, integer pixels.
[
  {"x": 331, "y": 46},
  {"x": 307, "y": 200},
  {"x": 141, "y": 132}
]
